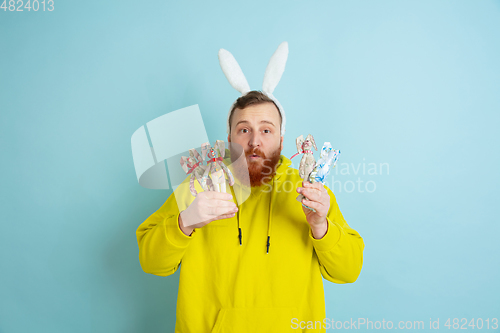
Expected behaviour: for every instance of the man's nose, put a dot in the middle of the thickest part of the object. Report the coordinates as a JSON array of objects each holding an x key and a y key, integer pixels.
[{"x": 254, "y": 141}]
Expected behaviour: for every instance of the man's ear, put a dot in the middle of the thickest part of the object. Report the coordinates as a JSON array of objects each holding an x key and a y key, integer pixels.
[
  {"x": 229, "y": 138},
  {"x": 281, "y": 143}
]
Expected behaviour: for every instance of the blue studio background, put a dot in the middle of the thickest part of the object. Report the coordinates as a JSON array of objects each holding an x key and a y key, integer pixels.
[{"x": 408, "y": 90}]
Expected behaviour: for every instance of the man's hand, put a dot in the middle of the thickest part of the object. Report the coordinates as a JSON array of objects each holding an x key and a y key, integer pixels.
[
  {"x": 208, "y": 206},
  {"x": 319, "y": 199}
]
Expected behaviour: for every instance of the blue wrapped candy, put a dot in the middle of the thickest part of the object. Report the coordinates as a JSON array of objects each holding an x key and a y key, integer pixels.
[{"x": 327, "y": 161}]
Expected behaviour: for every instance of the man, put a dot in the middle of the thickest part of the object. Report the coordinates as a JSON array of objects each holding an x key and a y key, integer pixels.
[{"x": 252, "y": 264}]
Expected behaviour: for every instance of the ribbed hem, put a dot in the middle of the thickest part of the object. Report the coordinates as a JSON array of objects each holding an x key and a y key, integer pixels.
[
  {"x": 174, "y": 233},
  {"x": 329, "y": 240}
]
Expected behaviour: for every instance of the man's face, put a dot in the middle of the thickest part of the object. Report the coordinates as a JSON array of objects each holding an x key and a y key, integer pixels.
[{"x": 256, "y": 128}]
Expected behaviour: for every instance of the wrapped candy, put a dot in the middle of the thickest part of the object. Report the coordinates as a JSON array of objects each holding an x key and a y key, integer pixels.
[
  {"x": 217, "y": 169},
  {"x": 212, "y": 177},
  {"x": 311, "y": 170},
  {"x": 305, "y": 147},
  {"x": 327, "y": 161},
  {"x": 191, "y": 165}
]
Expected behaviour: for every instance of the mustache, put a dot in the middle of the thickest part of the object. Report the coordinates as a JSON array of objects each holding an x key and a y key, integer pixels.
[{"x": 255, "y": 151}]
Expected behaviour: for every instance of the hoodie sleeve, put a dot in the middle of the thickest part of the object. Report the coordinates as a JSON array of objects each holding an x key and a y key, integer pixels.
[
  {"x": 162, "y": 243},
  {"x": 340, "y": 251}
]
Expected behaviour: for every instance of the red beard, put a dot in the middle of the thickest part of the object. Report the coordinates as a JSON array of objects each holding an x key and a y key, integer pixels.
[
  {"x": 262, "y": 170},
  {"x": 253, "y": 172}
]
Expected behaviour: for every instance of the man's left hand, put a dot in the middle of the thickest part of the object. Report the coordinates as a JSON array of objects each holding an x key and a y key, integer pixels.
[{"x": 319, "y": 199}]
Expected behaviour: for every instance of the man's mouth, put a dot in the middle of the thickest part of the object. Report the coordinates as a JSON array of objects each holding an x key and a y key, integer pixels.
[{"x": 255, "y": 155}]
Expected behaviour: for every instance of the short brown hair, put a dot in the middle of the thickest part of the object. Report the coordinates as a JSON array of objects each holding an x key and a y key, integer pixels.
[{"x": 253, "y": 97}]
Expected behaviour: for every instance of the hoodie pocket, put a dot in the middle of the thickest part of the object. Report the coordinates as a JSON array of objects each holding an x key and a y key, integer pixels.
[{"x": 251, "y": 320}]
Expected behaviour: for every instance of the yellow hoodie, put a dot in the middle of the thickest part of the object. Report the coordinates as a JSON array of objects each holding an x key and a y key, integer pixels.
[{"x": 272, "y": 281}]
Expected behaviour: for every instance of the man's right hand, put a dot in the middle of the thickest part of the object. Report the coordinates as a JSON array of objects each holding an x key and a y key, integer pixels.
[{"x": 208, "y": 206}]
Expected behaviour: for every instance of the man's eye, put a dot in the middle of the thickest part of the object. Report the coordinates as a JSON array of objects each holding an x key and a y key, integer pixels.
[
  {"x": 267, "y": 131},
  {"x": 244, "y": 130}
]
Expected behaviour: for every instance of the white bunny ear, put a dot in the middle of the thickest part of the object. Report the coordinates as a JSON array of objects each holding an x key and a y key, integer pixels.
[
  {"x": 221, "y": 147},
  {"x": 184, "y": 164},
  {"x": 310, "y": 138},
  {"x": 195, "y": 153},
  {"x": 204, "y": 150},
  {"x": 233, "y": 72},
  {"x": 299, "y": 141},
  {"x": 275, "y": 68}
]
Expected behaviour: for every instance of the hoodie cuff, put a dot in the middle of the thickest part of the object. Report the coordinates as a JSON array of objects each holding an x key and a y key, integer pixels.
[
  {"x": 329, "y": 240},
  {"x": 174, "y": 233}
]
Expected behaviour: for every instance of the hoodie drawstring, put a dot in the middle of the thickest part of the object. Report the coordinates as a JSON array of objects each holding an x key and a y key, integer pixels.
[
  {"x": 239, "y": 228},
  {"x": 269, "y": 220}
]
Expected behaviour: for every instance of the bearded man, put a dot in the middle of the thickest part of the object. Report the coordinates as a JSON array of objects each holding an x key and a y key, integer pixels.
[{"x": 231, "y": 279}]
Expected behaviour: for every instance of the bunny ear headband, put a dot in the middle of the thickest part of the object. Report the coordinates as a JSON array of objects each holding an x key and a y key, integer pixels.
[{"x": 272, "y": 76}]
